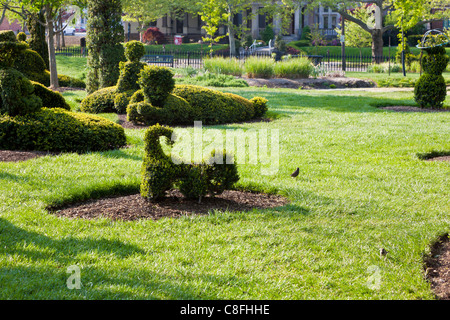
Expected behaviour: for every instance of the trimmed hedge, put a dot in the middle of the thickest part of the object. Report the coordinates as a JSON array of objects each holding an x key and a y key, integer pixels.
[
  {"x": 100, "y": 101},
  {"x": 129, "y": 75},
  {"x": 430, "y": 91},
  {"x": 50, "y": 98},
  {"x": 134, "y": 50},
  {"x": 60, "y": 131},
  {"x": 214, "y": 106},
  {"x": 31, "y": 64},
  {"x": 16, "y": 93},
  {"x": 175, "y": 110},
  {"x": 159, "y": 173},
  {"x": 157, "y": 83}
]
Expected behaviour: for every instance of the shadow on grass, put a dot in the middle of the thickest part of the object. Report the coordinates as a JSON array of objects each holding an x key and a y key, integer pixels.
[
  {"x": 329, "y": 101},
  {"x": 432, "y": 154},
  {"x": 33, "y": 280}
]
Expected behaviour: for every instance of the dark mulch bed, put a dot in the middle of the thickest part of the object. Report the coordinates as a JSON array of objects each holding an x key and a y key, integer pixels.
[
  {"x": 441, "y": 158},
  {"x": 14, "y": 156},
  {"x": 437, "y": 270},
  {"x": 412, "y": 109},
  {"x": 311, "y": 83},
  {"x": 133, "y": 207},
  {"x": 129, "y": 125}
]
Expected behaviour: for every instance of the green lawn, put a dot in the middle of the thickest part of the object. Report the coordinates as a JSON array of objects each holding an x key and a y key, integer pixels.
[
  {"x": 361, "y": 186},
  {"x": 394, "y": 79},
  {"x": 72, "y": 66},
  {"x": 350, "y": 51}
]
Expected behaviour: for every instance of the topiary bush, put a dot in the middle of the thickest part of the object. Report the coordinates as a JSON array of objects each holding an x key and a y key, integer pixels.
[
  {"x": 159, "y": 173},
  {"x": 21, "y": 36},
  {"x": 31, "y": 64},
  {"x": 259, "y": 106},
  {"x": 430, "y": 90},
  {"x": 134, "y": 50},
  {"x": 221, "y": 175},
  {"x": 121, "y": 101},
  {"x": 100, "y": 101},
  {"x": 60, "y": 131},
  {"x": 10, "y": 48},
  {"x": 17, "y": 94},
  {"x": 104, "y": 36},
  {"x": 214, "y": 107},
  {"x": 157, "y": 83},
  {"x": 129, "y": 75},
  {"x": 175, "y": 110},
  {"x": 50, "y": 98}
]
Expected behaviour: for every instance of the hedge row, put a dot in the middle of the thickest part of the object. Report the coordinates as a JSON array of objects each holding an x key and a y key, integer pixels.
[
  {"x": 59, "y": 130},
  {"x": 188, "y": 103}
]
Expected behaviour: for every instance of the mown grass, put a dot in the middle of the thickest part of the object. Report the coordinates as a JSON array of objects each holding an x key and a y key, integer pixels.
[
  {"x": 361, "y": 186},
  {"x": 350, "y": 51},
  {"x": 395, "y": 79},
  {"x": 74, "y": 66}
]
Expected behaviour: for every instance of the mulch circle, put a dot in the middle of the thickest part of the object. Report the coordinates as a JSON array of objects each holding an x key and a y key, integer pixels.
[
  {"x": 412, "y": 109},
  {"x": 134, "y": 207},
  {"x": 15, "y": 156},
  {"x": 440, "y": 158},
  {"x": 437, "y": 268}
]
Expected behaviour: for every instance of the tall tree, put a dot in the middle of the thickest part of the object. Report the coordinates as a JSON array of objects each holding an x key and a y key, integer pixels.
[
  {"x": 382, "y": 8},
  {"x": 104, "y": 36},
  {"x": 45, "y": 13},
  {"x": 355, "y": 36},
  {"x": 37, "y": 40}
]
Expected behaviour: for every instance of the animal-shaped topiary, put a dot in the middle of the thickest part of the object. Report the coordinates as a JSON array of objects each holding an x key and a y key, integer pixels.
[
  {"x": 430, "y": 90},
  {"x": 159, "y": 173},
  {"x": 16, "y": 91},
  {"x": 129, "y": 74}
]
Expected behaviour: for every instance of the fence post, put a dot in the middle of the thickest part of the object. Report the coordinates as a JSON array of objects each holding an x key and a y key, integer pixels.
[{"x": 188, "y": 56}]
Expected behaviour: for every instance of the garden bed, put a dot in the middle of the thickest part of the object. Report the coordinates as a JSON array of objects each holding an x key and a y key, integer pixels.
[
  {"x": 134, "y": 207},
  {"x": 15, "y": 156},
  {"x": 311, "y": 83},
  {"x": 437, "y": 268}
]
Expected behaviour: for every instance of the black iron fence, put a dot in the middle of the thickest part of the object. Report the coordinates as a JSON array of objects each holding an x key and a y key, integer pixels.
[
  {"x": 355, "y": 63},
  {"x": 194, "y": 59}
]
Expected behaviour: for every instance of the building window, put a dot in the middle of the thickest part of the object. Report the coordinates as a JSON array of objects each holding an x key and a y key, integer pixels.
[
  {"x": 164, "y": 22},
  {"x": 262, "y": 20}
]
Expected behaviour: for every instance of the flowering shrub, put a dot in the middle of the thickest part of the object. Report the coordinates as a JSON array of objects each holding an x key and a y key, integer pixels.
[{"x": 153, "y": 36}]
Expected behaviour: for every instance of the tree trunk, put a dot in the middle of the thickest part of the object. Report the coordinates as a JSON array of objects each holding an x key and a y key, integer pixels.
[
  {"x": 58, "y": 40},
  {"x": 54, "y": 84},
  {"x": 231, "y": 34},
  {"x": 377, "y": 45}
]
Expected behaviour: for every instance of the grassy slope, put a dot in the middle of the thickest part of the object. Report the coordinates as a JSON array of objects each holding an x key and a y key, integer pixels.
[{"x": 361, "y": 186}]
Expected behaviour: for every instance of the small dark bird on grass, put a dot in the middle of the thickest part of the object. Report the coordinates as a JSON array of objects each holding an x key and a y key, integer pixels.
[
  {"x": 383, "y": 252},
  {"x": 295, "y": 173}
]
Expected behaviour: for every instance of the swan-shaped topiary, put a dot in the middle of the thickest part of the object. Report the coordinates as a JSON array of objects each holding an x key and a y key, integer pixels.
[{"x": 159, "y": 173}]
